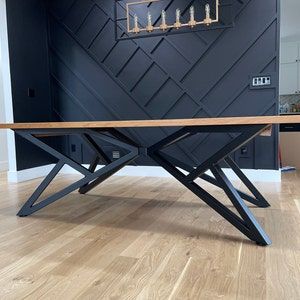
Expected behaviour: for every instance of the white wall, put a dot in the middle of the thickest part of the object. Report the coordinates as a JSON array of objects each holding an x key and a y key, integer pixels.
[
  {"x": 290, "y": 21},
  {"x": 7, "y": 140},
  {"x": 3, "y": 138}
]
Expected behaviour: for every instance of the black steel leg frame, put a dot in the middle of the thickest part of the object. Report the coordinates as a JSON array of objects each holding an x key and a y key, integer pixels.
[
  {"x": 91, "y": 179},
  {"x": 244, "y": 220}
]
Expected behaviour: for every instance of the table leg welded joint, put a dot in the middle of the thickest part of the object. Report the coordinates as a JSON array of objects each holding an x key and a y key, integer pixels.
[{"x": 243, "y": 220}]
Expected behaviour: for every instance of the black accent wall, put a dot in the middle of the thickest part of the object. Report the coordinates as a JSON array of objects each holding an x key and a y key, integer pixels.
[
  {"x": 79, "y": 72},
  {"x": 28, "y": 46}
]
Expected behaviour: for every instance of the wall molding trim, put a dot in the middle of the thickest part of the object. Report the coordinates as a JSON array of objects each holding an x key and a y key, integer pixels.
[
  {"x": 142, "y": 171},
  {"x": 6, "y": 82}
]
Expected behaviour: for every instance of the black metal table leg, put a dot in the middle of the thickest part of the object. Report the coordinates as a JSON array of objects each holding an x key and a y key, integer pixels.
[
  {"x": 29, "y": 207},
  {"x": 99, "y": 154},
  {"x": 247, "y": 226},
  {"x": 213, "y": 181},
  {"x": 26, "y": 209},
  {"x": 246, "y": 135},
  {"x": 260, "y": 200},
  {"x": 90, "y": 175},
  {"x": 117, "y": 139},
  {"x": 244, "y": 221},
  {"x": 257, "y": 233}
]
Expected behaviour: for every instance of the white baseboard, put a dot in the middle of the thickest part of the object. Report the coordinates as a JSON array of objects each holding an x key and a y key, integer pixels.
[
  {"x": 253, "y": 175},
  {"x": 3, "y": 166},
  {"x": 28, "y": 174}
]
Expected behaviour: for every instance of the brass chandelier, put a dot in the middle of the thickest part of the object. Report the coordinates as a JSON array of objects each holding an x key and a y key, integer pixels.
[{"x": 163, "y": 26}]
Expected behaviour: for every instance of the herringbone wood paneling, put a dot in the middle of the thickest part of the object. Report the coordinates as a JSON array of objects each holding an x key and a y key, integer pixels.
[{"x": 207, "y": 73}]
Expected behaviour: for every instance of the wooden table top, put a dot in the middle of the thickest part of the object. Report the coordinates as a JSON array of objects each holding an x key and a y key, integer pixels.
[{"x": 261, "y": 120}]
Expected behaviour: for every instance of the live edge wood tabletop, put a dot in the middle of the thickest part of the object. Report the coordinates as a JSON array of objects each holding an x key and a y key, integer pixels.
[{"x": 107, "y": 131}]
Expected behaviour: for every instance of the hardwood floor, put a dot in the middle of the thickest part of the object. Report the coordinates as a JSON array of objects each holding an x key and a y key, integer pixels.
[{"x": 146, "y": 238}]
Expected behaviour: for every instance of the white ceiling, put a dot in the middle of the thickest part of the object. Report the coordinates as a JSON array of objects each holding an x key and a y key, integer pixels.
[{"x": 290, "y": 20}]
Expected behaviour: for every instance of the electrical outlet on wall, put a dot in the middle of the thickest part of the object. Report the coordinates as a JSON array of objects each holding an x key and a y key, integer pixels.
[
  {"x": 244, "y": 150},
  {"x": 261, "y": 81},
  {"x": 31, "y": 93},
  {"x": 116, "y": 154}
]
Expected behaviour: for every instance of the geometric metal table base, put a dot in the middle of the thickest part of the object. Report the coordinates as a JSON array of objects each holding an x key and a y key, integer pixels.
[{"x": 243, "y": 220}]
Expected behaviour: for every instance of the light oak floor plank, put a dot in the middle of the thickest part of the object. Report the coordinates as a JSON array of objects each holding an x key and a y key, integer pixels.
[{"x": 146, "y": 238}]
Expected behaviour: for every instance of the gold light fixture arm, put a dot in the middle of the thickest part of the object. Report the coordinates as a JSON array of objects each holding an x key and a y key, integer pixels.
[{"x": 217, "y": 10}]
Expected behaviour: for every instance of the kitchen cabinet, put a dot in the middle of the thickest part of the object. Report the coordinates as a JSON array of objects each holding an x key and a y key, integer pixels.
[{"x": 290, "y": 69}]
